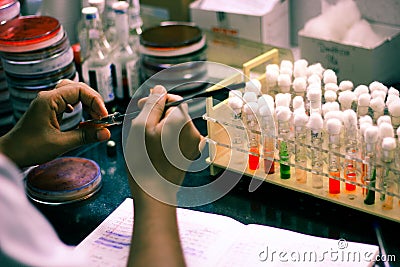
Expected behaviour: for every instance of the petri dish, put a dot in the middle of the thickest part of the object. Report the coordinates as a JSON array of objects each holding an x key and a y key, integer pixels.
[
  {"x": 48, "y": 51},
  {"x": 171, "y": 36},
  {"x": 9, "y": 9},
  {"x": 173, "y": 51},
  {"x": 25, "y": 81},
  {"x": 44, "y": 65},
  {"x": 28, "y": 33},
  {"x": 63, "y": 180}
]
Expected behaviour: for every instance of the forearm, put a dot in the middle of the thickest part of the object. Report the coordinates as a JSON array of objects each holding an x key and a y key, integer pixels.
[{"x": 155, "y": 239}]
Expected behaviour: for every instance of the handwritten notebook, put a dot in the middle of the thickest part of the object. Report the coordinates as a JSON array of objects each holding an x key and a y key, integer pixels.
[{"x": 216, "y": 240}]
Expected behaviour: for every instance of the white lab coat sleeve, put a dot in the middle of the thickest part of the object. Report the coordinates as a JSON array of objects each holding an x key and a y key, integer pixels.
[{"x": 26, "y": 237}]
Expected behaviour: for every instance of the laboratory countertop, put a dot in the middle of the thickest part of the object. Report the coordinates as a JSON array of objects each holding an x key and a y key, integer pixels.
[{"x": 268, "y": 205}]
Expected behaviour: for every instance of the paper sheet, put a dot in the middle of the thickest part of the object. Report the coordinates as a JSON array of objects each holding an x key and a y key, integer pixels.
[{"x": 216, "y": 240}]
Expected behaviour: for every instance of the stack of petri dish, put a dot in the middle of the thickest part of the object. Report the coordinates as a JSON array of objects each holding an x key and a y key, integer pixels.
[
  {"x": 9, "y": 9},
  {"x": 170, "y": 44},
  {"x": 36, "y": 54}
]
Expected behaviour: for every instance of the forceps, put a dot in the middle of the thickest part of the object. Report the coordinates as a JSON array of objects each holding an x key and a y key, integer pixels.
[{"x": 117, "y": 118}]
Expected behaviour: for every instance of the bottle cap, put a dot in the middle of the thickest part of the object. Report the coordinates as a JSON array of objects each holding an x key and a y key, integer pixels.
[{"x": 111, "y": 148}]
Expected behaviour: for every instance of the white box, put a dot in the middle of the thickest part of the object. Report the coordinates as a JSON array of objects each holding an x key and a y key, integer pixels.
[
  {"x": 357, "y": 64},
  {"x": 270, "y": 28}
]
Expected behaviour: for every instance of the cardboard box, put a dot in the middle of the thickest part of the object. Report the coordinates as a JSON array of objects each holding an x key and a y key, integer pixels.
[
  {"x": 270, "y": 28},
  {"x": 176, "y": 10},
  {"x": 357, "y": 64}
]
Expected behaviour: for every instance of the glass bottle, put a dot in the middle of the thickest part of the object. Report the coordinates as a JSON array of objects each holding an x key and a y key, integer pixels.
[
  {"x": 124, "y": 57},
  {"x": 97, "y": 68},
  {"x": 135, "y": 23},
  {"x": 82, "y": 26},
  {"x": 109, "y": 22}
]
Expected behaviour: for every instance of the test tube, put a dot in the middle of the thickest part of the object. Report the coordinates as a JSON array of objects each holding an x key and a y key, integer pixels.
[
  {"x": 271, "y": 78},
  {"x": 333, "y": 128},
  {"x": 378, "y": 107},
  {"x": 363, "y": 127},
  {"x": 351, "y": 148},
  {"x": 250, "y": 110},
  {"x": 284, "y": 82},
  {"x": 371, "y": 136},
  {"x": 254, "y": 85},
  {"x": 267, "y": 137},
  {"x": 299, "y": 86},
  {"x": 236, "y": 104},
  {"x": 394, "y": 111},
  {"x": 300, "y": 68},
  {"x": 389, "y": 177},
  {"x": 283, "y": 115},
  {"x": 363, "y": 104},
  {"x": 300, "y": 156},
  {"x": 315, "y": 124},
  {"x": 314, "y": 96},
  {"x": 346, "y": 99}
]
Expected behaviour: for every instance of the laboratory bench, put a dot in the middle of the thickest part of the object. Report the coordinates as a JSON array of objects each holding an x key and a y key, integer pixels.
[{"x": 269, "y": 205}]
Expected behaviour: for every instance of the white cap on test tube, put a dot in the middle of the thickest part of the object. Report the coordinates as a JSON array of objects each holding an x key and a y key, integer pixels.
[
  {"x": 386, "y": 130},
  {"x": 266, "y": 100},
  {"x": 298, "y": 102},
  {"x": 283, "y": 113},
  {"x": 300, "y": 68},
  {"x": 361, "y": 89},
  {"x": 315, "y": 122},
  {"x": 346, "y": 98},
  {"x": 284, "y": 82},
  {"x": 393, "y": 91},
  {"x": 236, "y": 104},
  {"x": 282, "y": 100},
  {"x": 384, "y": 118},
  {"x": 329, "y": 76},
  {"x": 254, "y": 85},
  {"x": 249, "y": 97},
  {"x": 315, "y": 69},
  {"x": 365, "y": 119},
  {"x": 331, "y": 87},
  {"x": 346, "y": 85},
  {"x": 299, "y": 84},
  {"x": 330, "y": 96}
]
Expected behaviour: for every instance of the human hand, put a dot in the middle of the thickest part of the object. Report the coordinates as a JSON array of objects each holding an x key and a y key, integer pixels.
[
  {"x": 159, "y": 149},
  {"x": 37, "y": 138}
]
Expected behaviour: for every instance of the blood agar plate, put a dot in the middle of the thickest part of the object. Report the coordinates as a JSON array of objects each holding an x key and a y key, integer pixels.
[
  {"x": 63, "y": 180},
  {"x": 29, "y": 33}
]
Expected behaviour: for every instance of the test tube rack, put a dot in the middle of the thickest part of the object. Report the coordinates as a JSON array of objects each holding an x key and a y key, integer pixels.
[{"x": 225, "y": 156}]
